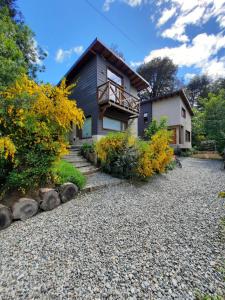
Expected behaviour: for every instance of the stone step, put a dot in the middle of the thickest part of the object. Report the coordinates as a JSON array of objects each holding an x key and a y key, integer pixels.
[
  {"x": 74, "y": 148},
  {"x": 79, "y": 165},
  {"x": 88, "y": 170},
  {"x": 74, "y": 155}
]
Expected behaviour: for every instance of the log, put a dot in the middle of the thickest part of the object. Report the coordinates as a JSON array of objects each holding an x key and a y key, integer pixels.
[
  {"x": 24, "y": 208},
  {"x": 67, "y": 191},
  {"x": 49, "y": 199},
  {"x": 5, "y": 216}
]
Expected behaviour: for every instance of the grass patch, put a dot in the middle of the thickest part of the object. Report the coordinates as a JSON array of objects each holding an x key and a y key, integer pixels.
[
  {"x": 208, "y": 297},
  {"x": 64, "y": 171}
]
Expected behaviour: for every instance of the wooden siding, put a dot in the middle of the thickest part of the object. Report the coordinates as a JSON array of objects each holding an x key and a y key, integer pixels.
[
  {"x": 145, "y": 108},
  {"x": 85, "y": 92},
  {"x": 102, "y": 65}
]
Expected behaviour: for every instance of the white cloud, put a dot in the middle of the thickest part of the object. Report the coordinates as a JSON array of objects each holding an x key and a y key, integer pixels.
[
  {"x": 202, "y": 48},
  {"x": 189, "y": 76},
  {"x": 61, "y": 54},
  {"x": 215, "y": 68},
  {"x": 166, "y": 15},
  {"x": 106, "y": 5},
  {"x": 200, "y": 53},
  {"x": 135, "y": 64},
  {"x": 34, "y": 58},
  {"x": 177, "y": 31},
  {"x": 189, "y": 12},
  {"x": 132, "y": 3}
]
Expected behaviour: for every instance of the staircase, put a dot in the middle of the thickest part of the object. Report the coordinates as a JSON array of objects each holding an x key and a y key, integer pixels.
[{"x": 83, "y": 165}]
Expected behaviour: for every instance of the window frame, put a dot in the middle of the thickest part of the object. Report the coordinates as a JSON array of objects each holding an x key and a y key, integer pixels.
[
  {"x": 187, "y": 134},
  {"x": 117, "y": 74},
  {"x": 115, "y": 119},
  {"x": 183, "y": 112}
]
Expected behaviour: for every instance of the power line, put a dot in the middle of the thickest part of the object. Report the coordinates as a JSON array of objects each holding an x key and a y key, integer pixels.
[{"x": 111, "y": 23}]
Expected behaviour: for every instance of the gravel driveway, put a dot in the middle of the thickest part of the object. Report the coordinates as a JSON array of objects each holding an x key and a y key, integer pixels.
[{"x": 158, "y": 240}]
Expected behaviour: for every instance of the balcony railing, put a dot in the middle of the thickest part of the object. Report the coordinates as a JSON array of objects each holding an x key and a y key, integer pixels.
[{"x": 117, "y": 96}]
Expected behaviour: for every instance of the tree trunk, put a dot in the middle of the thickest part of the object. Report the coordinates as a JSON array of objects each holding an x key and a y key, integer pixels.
[
  {"x": 5, "y": 216},
  {"x": 49, "y": 199},
  {"x": 24, "y": 208},
  {"x": 67, "y": 191}
]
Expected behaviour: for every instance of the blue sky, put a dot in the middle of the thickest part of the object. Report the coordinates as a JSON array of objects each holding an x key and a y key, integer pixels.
[{"x": 191, "y": 32}]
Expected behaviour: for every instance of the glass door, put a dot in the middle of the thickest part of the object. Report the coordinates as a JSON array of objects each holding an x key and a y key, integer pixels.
[{"x": 87, "y": 128}]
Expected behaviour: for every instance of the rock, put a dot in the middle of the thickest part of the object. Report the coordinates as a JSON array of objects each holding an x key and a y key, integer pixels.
[
  {"x": 49, "y": 199},
  {"x": 24, "y": 208},
  {"x": 5, "y": 216},
  {"x": 67, "y": 191}
]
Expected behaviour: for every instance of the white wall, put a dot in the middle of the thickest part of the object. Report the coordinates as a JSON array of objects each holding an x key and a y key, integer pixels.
[
  {"x": 171, "y": 108},
  {"x": 133, "y": 126}
]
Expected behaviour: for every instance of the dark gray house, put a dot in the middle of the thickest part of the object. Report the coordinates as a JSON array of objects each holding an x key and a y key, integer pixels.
[{"x": 106, "y": 89}]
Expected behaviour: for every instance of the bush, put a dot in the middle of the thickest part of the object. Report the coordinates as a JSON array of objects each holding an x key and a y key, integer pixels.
[
  {"x": 155, "y": 126},
  {"x": 123, "y": 155},
  {"x": 34, "y": 124},
  {"x": 118, "y": 154},
  {"x": 87, "y": 148},
  {"x": 64, "y": 171}
]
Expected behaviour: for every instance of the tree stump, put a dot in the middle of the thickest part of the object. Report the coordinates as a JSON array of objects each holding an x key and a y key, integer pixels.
[
  {"x": 5, "y": 216},
  {"x": 67, "y": 191},
  {"x": 24, "y": 208},
  {"x": 49, "y": 199}
]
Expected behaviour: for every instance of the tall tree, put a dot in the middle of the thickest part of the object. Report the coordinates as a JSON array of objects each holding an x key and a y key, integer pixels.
[
  {"x": 198, "y": 87},
  {"x": 12, "y": 61},
  {"x": 160, "y": 74},
  {"x": 214, "y": 120},
  {"x": 22, "y": 37}
]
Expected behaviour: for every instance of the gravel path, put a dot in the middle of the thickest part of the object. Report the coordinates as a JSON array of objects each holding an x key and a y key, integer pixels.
[{"x": 158, "y": 240}]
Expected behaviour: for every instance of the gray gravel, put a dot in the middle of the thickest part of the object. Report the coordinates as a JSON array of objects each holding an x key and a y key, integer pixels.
[{"x": 157, "y": 240}]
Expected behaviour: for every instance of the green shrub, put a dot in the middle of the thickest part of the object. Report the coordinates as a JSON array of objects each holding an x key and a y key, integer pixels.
[
  {"x": 87, "y": 148},
  {"x": 64, "y": 171},
  {"x": 155, "y": 126}
]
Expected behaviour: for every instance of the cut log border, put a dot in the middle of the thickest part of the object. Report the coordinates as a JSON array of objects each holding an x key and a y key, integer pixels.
[{"x": 25, "y": 208}]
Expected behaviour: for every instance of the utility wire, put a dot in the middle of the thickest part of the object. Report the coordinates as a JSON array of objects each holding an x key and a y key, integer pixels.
[{"x": 111, "y": 23}]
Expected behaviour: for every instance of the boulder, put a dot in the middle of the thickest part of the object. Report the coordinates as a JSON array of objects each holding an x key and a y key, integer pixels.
[
  {"x": 5, "y": 216},
  {"x": 67, "y": 191},
  {"x": 24, "y": 208},
  {"x": 49, "y": 199}
]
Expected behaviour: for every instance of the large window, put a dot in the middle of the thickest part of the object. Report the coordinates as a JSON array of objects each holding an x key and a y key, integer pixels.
[
  {"x": 112, "y": 124},
  {"x": 114, "y": 77},
  {"x": 187, "y": 136},
  {"x": 87, "y": 128}
]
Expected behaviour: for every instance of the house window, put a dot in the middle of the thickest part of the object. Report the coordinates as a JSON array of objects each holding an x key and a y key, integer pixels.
[
  {"x": 187, "y": 136},
  {"x": 112, "y": 124},
  {"x": 183, "y": 112},
  {"x": 114, "y": 77},
  {"x": 145, "y": 117}
]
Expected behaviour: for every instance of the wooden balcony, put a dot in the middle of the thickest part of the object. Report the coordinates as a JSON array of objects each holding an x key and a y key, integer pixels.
[{"x": 110, "y": 94}]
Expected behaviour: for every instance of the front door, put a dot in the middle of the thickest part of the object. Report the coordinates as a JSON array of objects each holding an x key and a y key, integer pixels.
[{"x": 87, "y": 128}]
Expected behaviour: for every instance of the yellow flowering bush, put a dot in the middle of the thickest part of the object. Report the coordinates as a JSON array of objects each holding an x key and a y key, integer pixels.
[
  {"x": 37, "y": 118},
  {"x": 125, "y": 156},
  {"x": 7, "y": 148}
]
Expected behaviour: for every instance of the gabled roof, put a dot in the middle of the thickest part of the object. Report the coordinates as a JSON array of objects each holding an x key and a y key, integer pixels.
[
  {"x": 98, "y": 47},
  {"x": 180, "y": 93}
]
